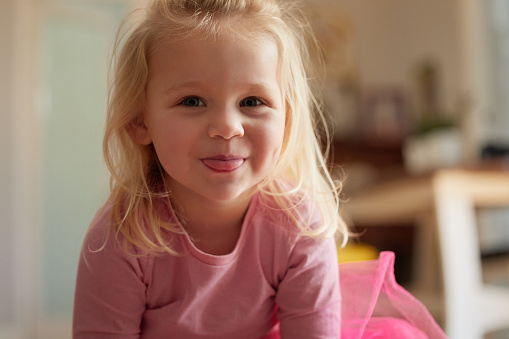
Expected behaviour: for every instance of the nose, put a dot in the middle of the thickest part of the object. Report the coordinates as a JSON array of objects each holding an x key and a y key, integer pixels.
[{"x": 226, "y": 124}]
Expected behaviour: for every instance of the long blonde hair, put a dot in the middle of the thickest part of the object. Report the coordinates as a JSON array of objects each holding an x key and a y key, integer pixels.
[{"x": 137, "y": 177}]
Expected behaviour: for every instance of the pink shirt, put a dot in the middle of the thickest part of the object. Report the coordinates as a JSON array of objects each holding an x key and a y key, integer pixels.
[{"x": 273, "y": 283}]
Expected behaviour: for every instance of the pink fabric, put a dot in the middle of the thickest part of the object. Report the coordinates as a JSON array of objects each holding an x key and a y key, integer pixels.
[
  {"x": 375, "y": 306},
  {"x": 273, "y": 285},
  {"x": 271, "y": 273}
]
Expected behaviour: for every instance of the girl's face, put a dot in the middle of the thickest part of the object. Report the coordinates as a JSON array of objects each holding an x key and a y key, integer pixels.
[{"x": 215, "y": 115}]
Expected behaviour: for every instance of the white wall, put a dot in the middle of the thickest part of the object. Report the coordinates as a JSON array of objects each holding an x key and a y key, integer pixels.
[
  {"x": 6, "y": 46},
  {"x": 392, "y": 37},
  {"x": 466, "y": 38},
  {"x": 497, "y": 122},
  {"x": 75, "y": 42},
  {"x": 53, "y": 57},
  {"x": 18, "y": 160}
]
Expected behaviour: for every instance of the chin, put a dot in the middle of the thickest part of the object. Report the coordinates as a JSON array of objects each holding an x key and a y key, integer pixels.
[{"x": 232, "y": 196}]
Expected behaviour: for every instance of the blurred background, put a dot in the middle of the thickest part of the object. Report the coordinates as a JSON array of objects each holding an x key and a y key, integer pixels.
[{"x": 412, "y": 87}]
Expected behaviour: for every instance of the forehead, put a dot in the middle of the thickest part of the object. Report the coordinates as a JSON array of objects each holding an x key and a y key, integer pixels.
[
  {"x": 226, "y": 31},
  {"x": 198, "y": 54}
]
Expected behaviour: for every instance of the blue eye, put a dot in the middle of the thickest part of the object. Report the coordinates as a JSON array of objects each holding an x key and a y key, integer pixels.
[
  {"x": 250, "y": 102},
  {"x": 192, "y": 102}
]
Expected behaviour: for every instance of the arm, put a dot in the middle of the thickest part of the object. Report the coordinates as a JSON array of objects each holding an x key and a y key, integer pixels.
[
  {"x": 110, "y": 291},
  {"x": 308, "y": 297}
]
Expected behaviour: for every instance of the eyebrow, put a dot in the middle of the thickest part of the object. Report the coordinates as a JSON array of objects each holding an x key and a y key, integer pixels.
[
  {"x": 264, "y": 86},
  {"x": 183, "y": 85}
]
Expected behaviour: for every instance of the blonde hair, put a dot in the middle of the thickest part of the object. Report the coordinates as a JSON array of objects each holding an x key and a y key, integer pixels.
[{"x": 136, "y": 175}]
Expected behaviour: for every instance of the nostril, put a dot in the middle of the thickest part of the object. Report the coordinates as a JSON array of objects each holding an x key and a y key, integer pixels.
[{"x": 226, "y": 130}]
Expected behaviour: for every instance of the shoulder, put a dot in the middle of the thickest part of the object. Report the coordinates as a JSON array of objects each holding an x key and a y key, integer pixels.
[
  {"x": 295, "y": 213},
  {"x": 292, "y": 227},
  {"x": 97, "y": 237},
  {"x": 279, "y": 230},
  {"x": 103, "y": 245},
  {"x": 110, "y": 293}
]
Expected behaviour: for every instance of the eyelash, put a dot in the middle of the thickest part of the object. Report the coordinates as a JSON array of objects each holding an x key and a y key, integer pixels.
[{"x": 198, "y": 102}]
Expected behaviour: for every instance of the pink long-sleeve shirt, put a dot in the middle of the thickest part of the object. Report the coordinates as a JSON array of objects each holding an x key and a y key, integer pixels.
[{"x": 274, "y": 283}]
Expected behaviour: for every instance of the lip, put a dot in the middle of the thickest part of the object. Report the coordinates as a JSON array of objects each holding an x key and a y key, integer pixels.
[{"x": 223, "y": 163}]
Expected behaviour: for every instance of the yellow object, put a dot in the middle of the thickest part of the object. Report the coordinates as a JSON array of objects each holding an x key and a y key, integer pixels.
[{"x": 357, "y": 252}]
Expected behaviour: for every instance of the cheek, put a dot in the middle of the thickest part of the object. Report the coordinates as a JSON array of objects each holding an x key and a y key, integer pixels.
[
  {"x": 272, "y": 140},
  {"x": 169, "y": 130},
  {"x": 170, "y": 142}
]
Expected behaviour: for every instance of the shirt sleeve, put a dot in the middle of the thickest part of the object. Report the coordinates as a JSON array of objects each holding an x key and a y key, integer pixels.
[
  {"x": 308, "y": 296},
  {"x": 110, "y": 290}
]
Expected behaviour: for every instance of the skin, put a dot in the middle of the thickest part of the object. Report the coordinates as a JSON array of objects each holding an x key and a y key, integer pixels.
[{"x": 215, "y": 115}]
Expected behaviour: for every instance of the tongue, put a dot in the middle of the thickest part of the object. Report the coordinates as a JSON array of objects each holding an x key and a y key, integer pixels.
[{"x": 223, "y": 165}]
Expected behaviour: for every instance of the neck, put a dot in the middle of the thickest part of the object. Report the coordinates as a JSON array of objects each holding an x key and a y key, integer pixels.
[{"x": 214, "y": 226}]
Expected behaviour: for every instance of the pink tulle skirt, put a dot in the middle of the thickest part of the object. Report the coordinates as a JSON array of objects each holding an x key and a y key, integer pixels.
[{"x": 374, "y": 305}]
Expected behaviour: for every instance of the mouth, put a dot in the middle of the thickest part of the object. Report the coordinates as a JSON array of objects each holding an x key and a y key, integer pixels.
[{"x": 223, "y": 163}]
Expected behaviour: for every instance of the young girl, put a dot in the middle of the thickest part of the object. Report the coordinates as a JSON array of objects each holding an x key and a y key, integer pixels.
[{"x": 222, "y": 214}]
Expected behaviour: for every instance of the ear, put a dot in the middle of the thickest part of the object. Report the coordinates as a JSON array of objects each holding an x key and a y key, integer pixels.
[{"x": 139, "y": 133}]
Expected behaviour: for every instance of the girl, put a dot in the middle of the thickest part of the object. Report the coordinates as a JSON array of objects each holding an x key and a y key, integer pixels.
[{"x": 222, "y": 214}]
